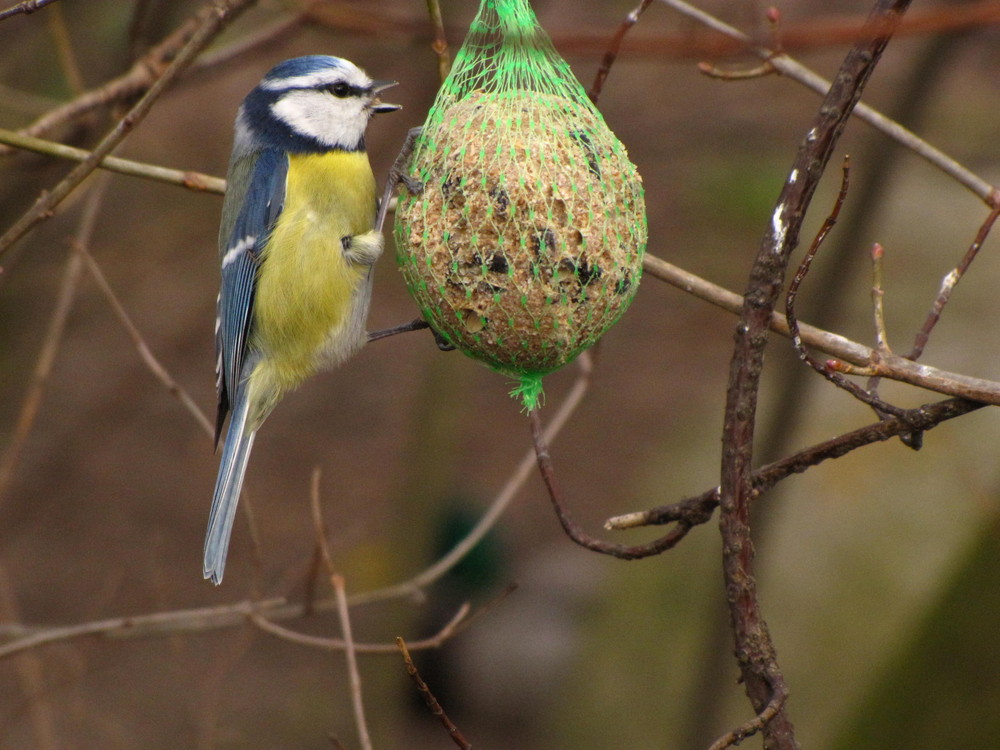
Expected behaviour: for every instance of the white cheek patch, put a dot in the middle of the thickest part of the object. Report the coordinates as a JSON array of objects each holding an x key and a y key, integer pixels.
[{"x": 317, "y": 114}]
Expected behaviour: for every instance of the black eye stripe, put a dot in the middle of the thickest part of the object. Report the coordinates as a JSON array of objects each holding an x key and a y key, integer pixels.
[{"x": 340, "y": 89}]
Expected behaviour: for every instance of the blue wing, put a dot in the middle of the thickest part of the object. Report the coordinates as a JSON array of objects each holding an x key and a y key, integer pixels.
[{"x": 257, "y": 211}]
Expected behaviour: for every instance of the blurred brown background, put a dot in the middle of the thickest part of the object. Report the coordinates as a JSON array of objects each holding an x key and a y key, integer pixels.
[{"x": 878, "y": 571}]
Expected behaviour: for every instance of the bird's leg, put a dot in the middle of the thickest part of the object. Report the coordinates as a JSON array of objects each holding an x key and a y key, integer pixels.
[
  {"x": 442, "y": 343},
  {"x": 365, "y": 249},
  {"x": 414, "y": 325},
  {"x": 397, "y": 175}
]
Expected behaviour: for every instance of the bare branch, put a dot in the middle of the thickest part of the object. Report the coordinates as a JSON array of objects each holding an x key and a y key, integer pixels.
[
  {"x": 949, "y": 282},
  {"x": 418, "y": 324},
  {"x": 210, "y": 22},
  {"x": 145, "y": 353},
  {"x": 576, "y": 533},
  {"x": 878, "y": 301},
  {"x": 340, "y": 644},
  {"x": 500, "y": 502},
  {"x": 432, "y": 703},
  {"x": 756, "y": 724},
  {"x": 440, "y": 43},
  {"x": 614, "y": 47},
  {"x": 727, "y": 74},
  {"x": 892, "y": 367},
  {"x": 755, "y": 650},
  {"x": 699, "y": 509},
  {"x": 43, "y": 369},
  {"x": 145, "y": 626},
  {"x": 830, "y": 373},
  {"x": 26, "y": 7},
  {"x": 134, "y": 82},
  {"x": 30, "y": 672},
  {"x": 265, "y": 613},
  {"x": 191, "y": 180},
  {"x": 350, "y": 654},
  {"x": 794, "y": 70},
  {"x": 319, "y": 526}
]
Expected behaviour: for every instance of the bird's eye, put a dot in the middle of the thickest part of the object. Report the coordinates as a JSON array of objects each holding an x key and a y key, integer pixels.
[{"x": 340, "y": 90}]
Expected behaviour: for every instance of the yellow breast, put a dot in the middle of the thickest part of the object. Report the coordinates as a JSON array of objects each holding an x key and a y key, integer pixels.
[{"x": 306, "y": 290}]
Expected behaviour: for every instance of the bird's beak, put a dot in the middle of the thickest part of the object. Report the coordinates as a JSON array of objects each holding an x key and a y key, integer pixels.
[{"x": 377, "y": 105}]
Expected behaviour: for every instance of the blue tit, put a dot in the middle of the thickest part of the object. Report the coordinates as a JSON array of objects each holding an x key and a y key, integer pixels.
[{"x": 297, "y": 245}]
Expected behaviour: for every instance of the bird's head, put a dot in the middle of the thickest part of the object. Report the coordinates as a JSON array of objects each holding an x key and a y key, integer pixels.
[{"x": 313, "y": 103}]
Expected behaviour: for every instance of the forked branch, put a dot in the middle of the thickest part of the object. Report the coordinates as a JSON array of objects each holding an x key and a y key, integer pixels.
[{"x": 762, "y": 677}]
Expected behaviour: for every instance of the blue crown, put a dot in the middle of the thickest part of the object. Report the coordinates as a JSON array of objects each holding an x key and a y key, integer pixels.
[{"x": 302, "y": 66}]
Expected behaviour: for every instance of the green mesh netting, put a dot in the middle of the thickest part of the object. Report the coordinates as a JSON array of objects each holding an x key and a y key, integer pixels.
[{"x": 526, "y": 243}]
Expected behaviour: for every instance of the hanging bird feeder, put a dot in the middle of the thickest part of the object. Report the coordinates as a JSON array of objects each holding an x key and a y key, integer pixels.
[{"x": 526, "y": 242}]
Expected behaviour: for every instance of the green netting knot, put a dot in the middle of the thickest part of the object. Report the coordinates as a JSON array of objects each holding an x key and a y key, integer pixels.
[{"x": 529, "y": 391}]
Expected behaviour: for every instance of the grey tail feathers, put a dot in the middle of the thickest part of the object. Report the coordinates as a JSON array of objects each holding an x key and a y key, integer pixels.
[{"x": 232, "y": 468}]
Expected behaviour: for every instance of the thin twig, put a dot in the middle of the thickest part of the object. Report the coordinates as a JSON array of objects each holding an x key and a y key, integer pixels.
[
  {"x": 321, "y": 553},
  {"x": 800, "y": 274},
  {"x": 743, "y": 74},
  {"x": 894, "y": 368},
  {"x": 915, "y": 439},
  {"x": 614, "y": 47},
  {"x": 440, "y": 43},
  {"x": 56, "y": 22},
  {"x": 51, "y": 342},
  {"x": 503, "y": 499},
  {"x": 166, "y": 379},
  {"x": 319, "y": 526},
  {"x": 191, "y": 180},
  {"x": 811, "y": 33},
  {"x": 575, "y": 532},
  {"x": 357, "y": 700},
  {"x": 30, "y": 673},
  {"x": 268, "y": 625},
  {"x": 432, "y": 703},
  {"x": 398, "y": 174},
  {"x": 143, "y": 349},
  {"x": 699, "y": 508},
  {"x": 912, "y": 440},
  {"x": 134, "y": 82},
  {"x": 142, "y": 74},
  {"x": 791, "y": 68},
  {"x": 758, "y": 71},
  {"x": 233, "y": 615},
  {"x": 26, "y": 7},
  {"x": 145, "y": 626},
  {"x": 265, "y": 613},
  {"x": 211, "y": 22},
  {"x": 867, "y": 396},
  {"x": 948, "y": 284},
  {"x": 878, "y": 301},
  {"x": 756, "y": 724}
]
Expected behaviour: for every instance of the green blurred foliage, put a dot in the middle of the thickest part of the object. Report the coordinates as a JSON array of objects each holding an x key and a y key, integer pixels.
[{"x": 940, "y": 688}]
